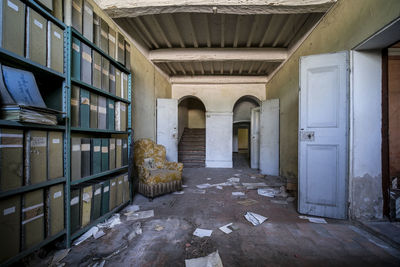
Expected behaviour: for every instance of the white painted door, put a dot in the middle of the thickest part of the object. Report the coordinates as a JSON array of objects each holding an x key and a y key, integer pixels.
[
  {"x": 255, "y": 138},
  {"x": 167, "y": 126},
  {"x": 269, "y": 137},
  {"x": 323, "y": 130}
]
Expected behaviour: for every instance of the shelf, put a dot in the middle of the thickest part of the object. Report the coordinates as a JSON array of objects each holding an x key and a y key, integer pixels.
[
  {"x": 17, "y": 124},
  {"x": 95, "y": 47},
  {"x": 27, "y": 188},
  {"x": 99, "y": 91},
  {"x": 34, "y": 248},
  {"x": 98, "y": 220},
  {"x": 7, "y": 57},
  {"x": 94, "y": 130},
  {"x": 45, "y": 13},
  {"x": 98, "y": 175}
]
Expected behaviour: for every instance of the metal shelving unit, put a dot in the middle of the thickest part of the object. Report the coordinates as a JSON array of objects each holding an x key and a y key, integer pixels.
[{"x": 43, "y": 72}]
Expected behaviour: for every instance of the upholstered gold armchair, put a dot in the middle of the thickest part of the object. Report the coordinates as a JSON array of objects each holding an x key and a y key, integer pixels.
[{"x": 156, "y": 175}]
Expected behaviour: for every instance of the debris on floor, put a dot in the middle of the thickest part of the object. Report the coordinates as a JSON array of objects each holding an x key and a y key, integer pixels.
[
  {"x": 313, "y": 219},
  {"x": 225, "y": 228},
  {"x": 203, "y": 186},
  {"x": 184, "y": 186},
  {"x": 282, "y": 192},
  {"x": 247, "y": 202},
  {"x": 237, "y": 174},
  {"x": 99, "y": 263},
  {"x": 267, "y": 192},
  {"x": 233, "y": 180},
  {"x": 199, "y": 191},
  {"x": 59, "y": 256},
  {"x": 254, "y": 218},
  {"x": 238, "y": 194},
  {"x": 140, "y": 215},
  {"x": 250, "y": 186},
  {"x": 137, "y": 230},
  {"x": 280, "y": 202},
  {"x": 202, "y": 232},
  {"x": 116, "y": 252},
  {"x": 209, "y": 179},
  {"x": 99, "y": 234},
  {"x": 219, "y": 187},
  {"x": 212, "y": 260},
  {"x": 178, "y": 192},
  {"x": 132, "y": 208},
  {"x": 158, "y": 228},
  {"x": 92, "y": 231},
  {"x": 110, "y": 223}
]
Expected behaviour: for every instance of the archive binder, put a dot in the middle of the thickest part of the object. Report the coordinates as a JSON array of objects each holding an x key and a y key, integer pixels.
[
  {"x": 112, "y": 42},
  {"x": 77, "y": 15},
  {"x": 118, "y": 153},
  {"x": 76, "y": 59},
  {"x": 96, "y": 69},
  {"x": 127, "y": 55},
  {"x": 85, "y": 157},
  {"x": 118, "y": 83},
  {"x": 86, "y": 64},
  {"x": 124, "y": 78},
  {"x": 86, "y": 204},
  {"x": 75, "y": 100},
  {"x": 124, "y": 152},
  {"x": 75, "y": 210},
  {"x": 103, "y": 35},
  {"x": 55, "y": 159},
  {"x": 96, "y": 156},
  {"x": 10, "y": 221},
  {"x": 48, "y": 4},
  {"x": 55, "y": 209},
  {"x": 102, "y": 112},
  {"x": 105, "y": 198},
  {"x": 121, "y": 48},
  {"x": 55, "y": 51},
  {"x": 36, "y": 37},
  {"x": 96, "y": 206},
  {"x": 112, "y": 79},
  {"x": 84, "y": 109},
  {"x": 126, "y": 194},
  {"x": 93, "y": 110},
  {"x": 12, "y": 12},
  {"x": 105, "y": 79},
  {"x": 112, "y": 154},
  {"x": 35, "y": 157},
  {"x": 110, "y": 114},
  {"x": 75, "y": 158},
  {"x": 11, "y": 158},
  {"x": 96, "y": 29},
  {"x": 120, "y": 189},
  {"x": 88, "y": 21},
  {"x": 32, "y": 218},
  {"x": 104, "y": 154},
  {"x": 58, "y": 9},
  {"x": 113, "y": 193}
]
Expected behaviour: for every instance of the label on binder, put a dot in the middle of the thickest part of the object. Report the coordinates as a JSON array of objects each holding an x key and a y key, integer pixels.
[
  {"x": 106, "y": 189},
  {"x": 37, "y": 23},
  {"x": 98, "y": 191},
  {"x": 74, "y": 201},
  {"x": 57, "y": 194},
  {"x": 12, "y": 5},
  {"x": 97, "y": 67},
  {"x": 87, "y": 57},
  {"x": 56, "y": 34},
  {"x": 74, "y": 102},
  {"x": 93, "y": 107},
  {"x": 38, "y": 141},
  {"x": 102, "y": 110},
  {"x": 56, "y": 141},
  {"x": 104, "y": 149},
  {"x": 76, "y": 47},
  {"x": 96, "y": 149},
  {"x": 85, "y": 101},
  {"x": 85, "y": 147},
  {"x": 112, "y": 146},
  {"x": 8, "y": 211},
  {"x": 111, "y": 106},
  {"x": 112, "y": 38},
  {"x": 76, "y": 147}
]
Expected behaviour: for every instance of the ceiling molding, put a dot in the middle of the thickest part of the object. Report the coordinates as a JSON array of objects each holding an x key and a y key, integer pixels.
[{"x": 218, "y": 79}]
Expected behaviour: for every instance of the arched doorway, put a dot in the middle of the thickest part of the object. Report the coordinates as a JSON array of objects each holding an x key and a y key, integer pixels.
[
  {"x": 191, "y": 132},
  {"x": 242, "y": 130}
]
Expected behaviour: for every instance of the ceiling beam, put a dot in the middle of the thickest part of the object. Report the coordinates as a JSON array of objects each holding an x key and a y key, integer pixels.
[
  {"x": 160, "y": 30},
  {"x": 283, "y": 30},
  {"x": 171, "y": 68},
  {"x": 222, "y": 31},
  {"x": 260, "y": 68},
  {"x": 138, "y": 32},
  {"x": 135, "y": 8},
  {"x": 146, "y": 32},
  {"x": 192, "y": 31},
  {"x": 175, "y": 29},
  {"x": 207, "y": 28},
  {"x": 218, "y": 54},
  {"x": 237, "y": 31},
  {"x": 271, "y": 21},
  {"x": 201, "y": 68},
  {"x": 256, "y": 20},
  {"x": 219, "y": 79},
  {"x": 182, "y": 68}
]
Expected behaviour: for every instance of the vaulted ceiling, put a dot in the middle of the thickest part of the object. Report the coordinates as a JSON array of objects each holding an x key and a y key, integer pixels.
[{"x": 226, "y": 37}]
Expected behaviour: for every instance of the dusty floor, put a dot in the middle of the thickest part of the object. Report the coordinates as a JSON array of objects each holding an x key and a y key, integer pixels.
[{"x": 283, "y": 240}]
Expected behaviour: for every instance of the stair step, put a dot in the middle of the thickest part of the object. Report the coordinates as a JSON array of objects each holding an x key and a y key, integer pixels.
[{"x": 189, "y": 158}]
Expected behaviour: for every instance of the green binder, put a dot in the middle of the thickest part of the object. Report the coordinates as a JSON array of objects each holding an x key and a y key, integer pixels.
[
  {"x": 110, "y": 114},
  {"x": 76, "y": 157},
  {"x": 12, "y": 12},
  {"x": 55, "y": 53},
  {"x": 36, "y": 37},
  {"x": 96, "y": 202},
  {"x": 96, "y": 29},
  {"x": 55, "y": 206},
  {"x": 58, "y": 9},
  {"x": 88, "y": 20},
  {"x": 84, "y": 109},
  {"x": 96, "y": 156},
  {"x": 77, "y": 15},
  {"x": 105, "y": 197},
  {"x": 93, "y": 110},
  {"x": 103, "y": 35},
  {"x": 105, "y": 78},
  {"x": 11, "y": 158},
  {"x": 32, "y": 219},
  {"x": 10, "y": 218},
  {"x": 120, "y": 189},
  {"x": 112, "y": 79},
  {"x": 75, "y": 210},
  {"x": 75, "y": 100},
  {"x": 118, "y": 153},
  {"x": 76, "y": 59},
  {"x": 96, "y": 69},
  {"x": 55, "y": 152},
  {"x": 104, "y": 154},
  {"x": 118, "y": 83},
  {"x": 113, "y": 193},
  {"x": 121, "y": 48},
  {"x": 112, "y": 154},
  {"x": 86, "y": 64}
]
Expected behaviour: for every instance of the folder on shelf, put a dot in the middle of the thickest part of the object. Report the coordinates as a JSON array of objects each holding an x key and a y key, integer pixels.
[
  {"x": 120, "y": 189},
  {"x": 85, "y": 157},
  {"x": 105, "y": 79},
  {"x": 110, "y": 114},
  {"x": 75, "y": 210},
  {"x": 48, "y": 4},
  {"x": 35, "y": 157},
  {"x": 11, "y": 158},
  {"x": 96, "y": 205},
  {"x": 124, "y": 78},
  {"x": 77, "y": 15},
  {"x": 75, "y": 96},
  {"x": 112, "y": 154},
  {"x": 103, "y": 35},
  {"x": 96, "y": 69},
  {"x": 76, "y": 59},
  {"x": 118, "y": 83},
  {"x": 55, "y": 210},
  {"x": 112, "y": 42},
  {"x": 113, "y": 193},
  {"x": 36, "y": 36},
  {"x": 126, "y": 195},
  {"x": 55, "y": 51},
  {"x": 93, "y": 110},
  {"x": 127, "y": 55},
  {"x": 58, "y": 9},
  {"x": 12, "y": 38},
  {"x": 96, "y": 156},
  {"x": 84, "y": 121},
  {"x": 32, "y": 219},
  {"x": 88, "y": 21},
  {"x": 104, "y": 155},
  {"x": 102, "y": 112},
  {"x": 86, "y": 64},
  {"x": 10, "y": 221},
  {"x": 118, "y": 153},
  {"x": 105, "y": 198},
  {"x": 75, "y": 158},
  {"x": 112, "y": 79},
  {"x": 120, "y": 116},
  {"x": 96, "y": 29},
  {"x": 55, "y": 159},
  {"x": 124, "y": 152},
  {"x": 121, "y": 48},
  {"x": 86, "y": 204},
  {"x": 5, "y": 96}
]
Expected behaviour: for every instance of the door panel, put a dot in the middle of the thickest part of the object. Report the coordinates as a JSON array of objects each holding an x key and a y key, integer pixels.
[
  {"x": 269, "y": 137},
  {"x": 255, "y": 138},
  {"x": 167, "y": 126},
  {"x": 323, "y": 128}
]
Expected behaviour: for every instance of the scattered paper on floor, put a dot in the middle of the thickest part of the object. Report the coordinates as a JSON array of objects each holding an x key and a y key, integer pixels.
[
  {"x": 184, "y": 186},
  {"x": 233, "y": 180},
  {"x": 159, "y": 228},
  {"x": 248, "y": 202},
  {"x": 238, "y": 193},
  {"x": 209, "y": 179},
  {"x": 219, "y": 187},
  {"x": 59, "y": 256},
  {"x": 267, "y": 192},
  {"x": 132, "y": 208},
  {"x": 92, "y": 231},
  {"x": 110, "y": 223},
  {"x": 199, "y": 191},
  {"x": 178, "y": 192},
  {"x": 225, "y": 228},
  {"x": 254, "y": 185},
  {"x": 313, "y": 219},
  {"x": 99, "y": 234},
  {"x": 140, "y": 215},
  {"x": 254, "y": 218},
  {"x": 212, "y": 260},
  {"x": 203, "y": 186},
  {"x": 137, "y": 230},
  {"x": 281, "y": 202},
  {"x": 202, "y": 232}
]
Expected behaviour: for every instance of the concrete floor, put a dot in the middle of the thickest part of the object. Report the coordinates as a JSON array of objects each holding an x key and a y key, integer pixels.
[{"x": 283, "y": 240}]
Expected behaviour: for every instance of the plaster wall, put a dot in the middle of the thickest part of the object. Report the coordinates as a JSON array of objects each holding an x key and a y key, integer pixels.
[
  {"x": 242, "y": 111},
  {"x": 346, "y": 25},
  {"x": 182, "y": 118},
  {"x": 197, "y": 118}
]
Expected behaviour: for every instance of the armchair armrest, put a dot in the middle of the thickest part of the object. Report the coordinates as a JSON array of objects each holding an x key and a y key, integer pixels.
[
  {"x": 177, "y": 166},
  {"x": 143, "y": 172}
]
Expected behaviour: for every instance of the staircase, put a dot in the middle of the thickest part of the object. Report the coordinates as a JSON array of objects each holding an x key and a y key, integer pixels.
[{"x": 192, "y": 148}]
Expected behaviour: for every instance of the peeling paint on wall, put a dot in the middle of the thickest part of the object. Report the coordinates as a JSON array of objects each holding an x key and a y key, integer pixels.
[{"x": 366, "y": 198}]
